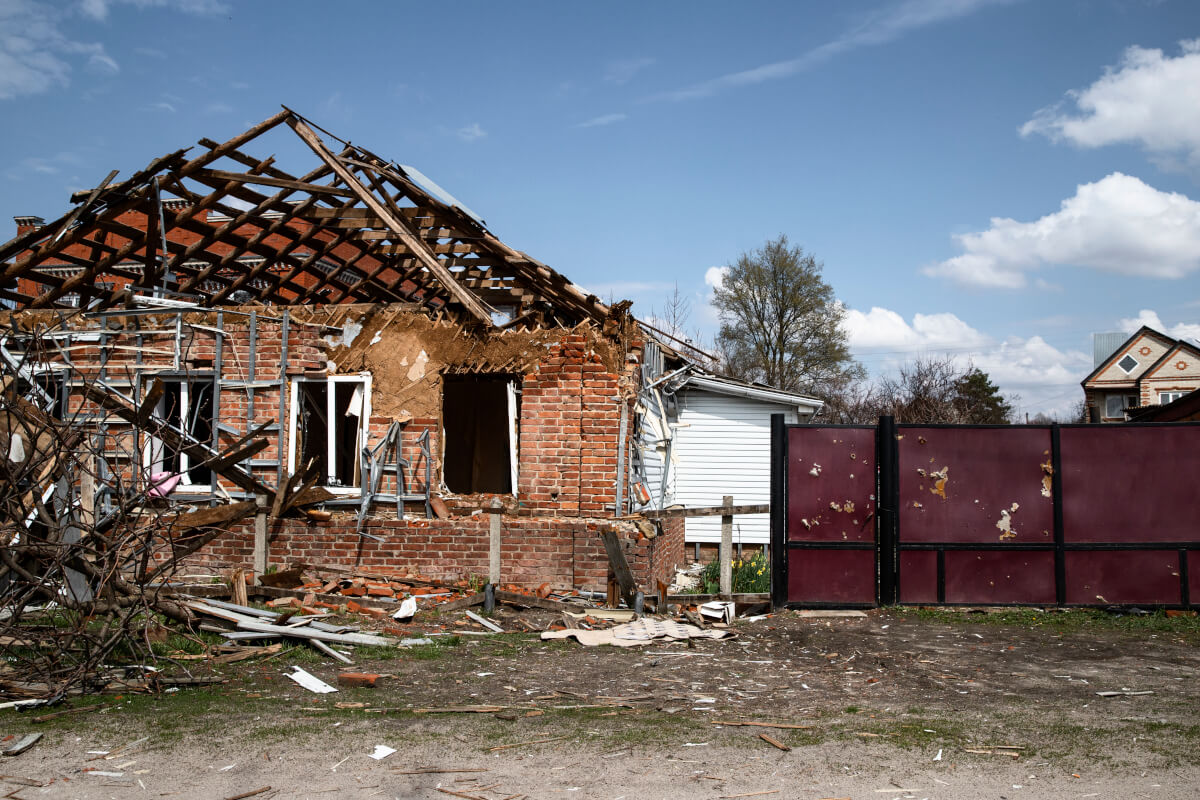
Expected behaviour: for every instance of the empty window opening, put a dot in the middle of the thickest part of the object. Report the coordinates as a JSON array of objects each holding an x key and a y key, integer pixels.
[
  {"x": 479, "y": 420},
  {"x": 328, "y": 418},
  {"x": 186, "y": 405}
]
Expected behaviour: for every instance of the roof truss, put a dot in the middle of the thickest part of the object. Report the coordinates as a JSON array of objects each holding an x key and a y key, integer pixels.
[{"x": 226, "y": 227}]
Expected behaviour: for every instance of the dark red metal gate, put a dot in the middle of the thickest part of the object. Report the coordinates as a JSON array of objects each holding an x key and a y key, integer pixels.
[{"x": 993, "y": 515}]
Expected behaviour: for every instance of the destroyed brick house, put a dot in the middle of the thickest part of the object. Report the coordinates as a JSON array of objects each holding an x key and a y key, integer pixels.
[{"x": 235, "y": 334}]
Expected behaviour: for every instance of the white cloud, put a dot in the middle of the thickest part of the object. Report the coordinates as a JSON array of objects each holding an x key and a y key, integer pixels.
[
  {"x": 1150, "y": 319},
  {"x": 879, "y": 28},
  {"x": 1043, "y": 376},
  {"x": 622, "y": 290},
  {"x": 103, "y": 64},
  {"x": 1150, "y": 99},
  {"x": 605, "y": 119},
  {"x": 881, "y": 328},
  {"x": 715, "y": 276},
  {"x": 218, "y": 108},
  {"x": 164, "y": 106},
  {"x": 471, "y": 133},
  {"x": 1117, "y": 224},
  {"x": 98, "y": 9},
  {"x": 623, "y": 70},
  {"x": 35, "y": 55}
]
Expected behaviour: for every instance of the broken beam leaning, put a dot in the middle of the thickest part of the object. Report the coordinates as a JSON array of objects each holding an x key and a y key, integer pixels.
[{"x": 461, "y": 293}]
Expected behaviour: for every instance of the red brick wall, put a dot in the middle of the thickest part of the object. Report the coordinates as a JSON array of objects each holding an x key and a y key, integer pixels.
[
  {"x": 564, "y": 552},
  {"x": 570, "y": 415}
]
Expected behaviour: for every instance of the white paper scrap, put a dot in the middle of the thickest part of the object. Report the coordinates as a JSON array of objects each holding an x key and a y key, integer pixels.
[{"x": 382, "y": 751}]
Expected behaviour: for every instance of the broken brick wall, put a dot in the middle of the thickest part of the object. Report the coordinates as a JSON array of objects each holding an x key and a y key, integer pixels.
[
  {"x": 574, "y": 383},
  {"x": 564, "y": 552}
]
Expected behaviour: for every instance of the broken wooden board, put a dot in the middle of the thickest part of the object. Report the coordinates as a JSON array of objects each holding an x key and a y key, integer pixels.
[
  {"x": 22, "y": 744},
  {"x": 620, "y": 567}
]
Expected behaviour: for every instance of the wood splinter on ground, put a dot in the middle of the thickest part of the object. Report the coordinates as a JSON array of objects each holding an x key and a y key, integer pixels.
[
  {"x": 250, "y": 793},
  {"x": 786, "y": 725},
  {"x": 436, "y": 770},
  {"x": 773, "y": 741},
  {"x": 525, "y": 744}
]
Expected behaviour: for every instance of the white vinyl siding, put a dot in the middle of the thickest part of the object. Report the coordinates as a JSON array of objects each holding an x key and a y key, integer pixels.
[{"x": 723, "y": 446}]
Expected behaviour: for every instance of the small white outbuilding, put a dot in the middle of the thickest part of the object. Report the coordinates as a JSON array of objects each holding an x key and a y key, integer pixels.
[{"x": 701, "y": 437}]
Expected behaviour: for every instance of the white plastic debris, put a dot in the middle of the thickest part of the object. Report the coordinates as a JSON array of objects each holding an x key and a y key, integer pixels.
[
  {"x": 309, "y": 681},
  {"x": 407, "y": 610},
  {"x": 719, "y": 610}
]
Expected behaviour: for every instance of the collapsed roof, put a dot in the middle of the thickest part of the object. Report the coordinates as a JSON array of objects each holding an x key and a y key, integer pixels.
[{"x": 225, "y": 227}]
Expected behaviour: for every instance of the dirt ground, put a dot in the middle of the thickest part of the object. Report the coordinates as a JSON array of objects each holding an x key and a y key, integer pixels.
[{"x": 895, "y": 704}]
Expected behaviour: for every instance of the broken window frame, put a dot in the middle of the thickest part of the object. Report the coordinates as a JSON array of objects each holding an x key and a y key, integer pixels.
[
  {"x": 154, "y": 450},
  {"x": 330, "y": 480}
]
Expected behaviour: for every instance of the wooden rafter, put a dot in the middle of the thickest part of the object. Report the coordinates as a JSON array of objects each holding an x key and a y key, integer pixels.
[{"x": 356, "y": 228}]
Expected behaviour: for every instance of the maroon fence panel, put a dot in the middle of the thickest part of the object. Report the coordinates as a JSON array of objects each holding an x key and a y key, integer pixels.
[
  {"x": 1091, "y": 515},
  {"x": 830, "y": 516},
  {"x": 1128, "y": 513},
  {"x": 976, "y": 515}
]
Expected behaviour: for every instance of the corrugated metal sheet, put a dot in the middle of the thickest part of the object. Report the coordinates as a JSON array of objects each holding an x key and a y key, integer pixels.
[
  {"x": 1105, "y": 344},
  {"x": 723, "y": 446}
]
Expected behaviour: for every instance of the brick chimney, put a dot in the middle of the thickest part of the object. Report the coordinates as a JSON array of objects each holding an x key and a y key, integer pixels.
[{"x": 28, "y": 224}]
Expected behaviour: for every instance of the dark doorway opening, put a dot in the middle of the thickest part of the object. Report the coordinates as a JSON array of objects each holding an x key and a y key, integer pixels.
[{"x": 479, "y": 415}]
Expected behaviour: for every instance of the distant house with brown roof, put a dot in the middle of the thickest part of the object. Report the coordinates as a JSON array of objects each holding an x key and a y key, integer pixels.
[{"x": 1147, "y": 369}]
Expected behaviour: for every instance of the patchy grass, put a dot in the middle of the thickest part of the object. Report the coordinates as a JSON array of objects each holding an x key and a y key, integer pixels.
[{"x": 1064, "y": 620}]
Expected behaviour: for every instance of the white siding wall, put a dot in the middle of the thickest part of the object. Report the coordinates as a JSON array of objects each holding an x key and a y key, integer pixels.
[{"x": 723, "y": 446}]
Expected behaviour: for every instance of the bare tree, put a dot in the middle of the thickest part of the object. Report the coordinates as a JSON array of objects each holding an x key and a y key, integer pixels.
[{"x": 928, "y": 390}]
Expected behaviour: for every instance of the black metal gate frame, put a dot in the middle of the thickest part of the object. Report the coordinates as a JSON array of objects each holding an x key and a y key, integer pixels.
[{"x": 888, "y": 545}]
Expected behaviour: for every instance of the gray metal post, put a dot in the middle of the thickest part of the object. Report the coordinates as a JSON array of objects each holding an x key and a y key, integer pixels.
[{"x": 727, "y": 547}]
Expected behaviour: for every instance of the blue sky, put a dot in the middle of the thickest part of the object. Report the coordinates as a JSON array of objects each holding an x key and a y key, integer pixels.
[{"x": 996, "y": 179}]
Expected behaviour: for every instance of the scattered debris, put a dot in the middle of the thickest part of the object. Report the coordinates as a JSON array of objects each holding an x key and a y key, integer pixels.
[
  {"x": 639, "y": 632},
  {"x": 491, "y": 626},
  {"x": 787, "y": 725},
  {"x": 309, "y": 681},
  {"x": 22, "y": 744}
]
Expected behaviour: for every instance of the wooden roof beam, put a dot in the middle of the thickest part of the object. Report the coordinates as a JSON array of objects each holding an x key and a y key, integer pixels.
[
  {"x": 460, "y": 293},
  {"x": 264, "y": 180}
]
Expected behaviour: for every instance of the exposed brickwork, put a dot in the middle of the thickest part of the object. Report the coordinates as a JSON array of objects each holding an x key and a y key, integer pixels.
[
  {"x": 567, "y": 465},
  {"x": 565, "y": 552},
  {"x": 570, "y": 417}
]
